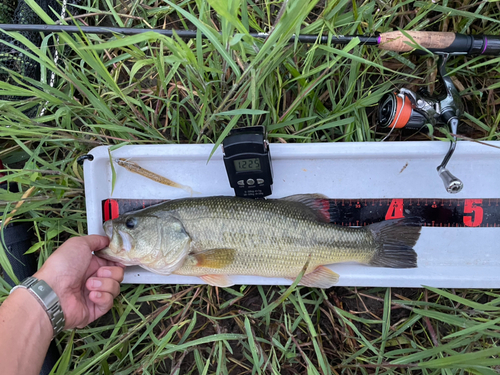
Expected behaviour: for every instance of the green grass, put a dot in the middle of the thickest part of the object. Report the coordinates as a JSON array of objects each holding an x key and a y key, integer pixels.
[{"x": 158, "y": 90}]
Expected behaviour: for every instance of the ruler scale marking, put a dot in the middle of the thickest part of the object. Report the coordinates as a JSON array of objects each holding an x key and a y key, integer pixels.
[{"x": 471, "y": 213}]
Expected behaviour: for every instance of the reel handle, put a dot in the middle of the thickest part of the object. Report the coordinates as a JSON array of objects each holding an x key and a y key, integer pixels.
[{"x": 452, "y": 184}]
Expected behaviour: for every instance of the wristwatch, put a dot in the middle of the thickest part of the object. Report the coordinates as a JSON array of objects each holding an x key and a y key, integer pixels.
[{"x": 47, "y": 298}]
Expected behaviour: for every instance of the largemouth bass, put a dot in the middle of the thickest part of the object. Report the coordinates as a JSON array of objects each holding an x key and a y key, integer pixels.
[{"x": 216, "y": 237}]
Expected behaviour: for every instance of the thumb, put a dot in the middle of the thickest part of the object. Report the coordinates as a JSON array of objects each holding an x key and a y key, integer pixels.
[{"x": 95, "y": 242}]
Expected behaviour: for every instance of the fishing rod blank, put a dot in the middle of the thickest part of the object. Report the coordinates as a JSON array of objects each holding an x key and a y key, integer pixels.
[
  {"x": 184, "y": 34},
  {"x": 398, "y": 41}
]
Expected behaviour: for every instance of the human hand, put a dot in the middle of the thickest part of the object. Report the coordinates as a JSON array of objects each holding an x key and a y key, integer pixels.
[{"x": 85, "y": 284}]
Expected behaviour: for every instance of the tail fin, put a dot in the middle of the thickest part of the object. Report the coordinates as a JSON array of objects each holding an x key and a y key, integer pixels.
[{"x": 394, "y": 241}]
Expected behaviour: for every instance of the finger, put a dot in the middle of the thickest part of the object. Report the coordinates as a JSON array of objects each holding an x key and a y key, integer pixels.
[
  {"x": 103, "y": 285},
  {"x": 107, "y": 263},
  {"x": 115, "y": 273},
  {"x": 95, "y": 242},
  {"x": 102, "y": 300}
]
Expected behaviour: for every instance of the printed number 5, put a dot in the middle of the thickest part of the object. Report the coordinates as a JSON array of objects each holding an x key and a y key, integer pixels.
[{"x": 473, "y": 207}]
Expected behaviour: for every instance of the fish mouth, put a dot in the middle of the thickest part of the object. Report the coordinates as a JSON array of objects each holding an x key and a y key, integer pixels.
[
  {"x": 108, "y": 229},
  {"x": 108, "y": 254},
  {"x": 126, "y": 241},
  {"x": 119, "y": 241}
]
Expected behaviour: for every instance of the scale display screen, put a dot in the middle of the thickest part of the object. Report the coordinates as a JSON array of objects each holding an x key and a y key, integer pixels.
[{"x": 243, "y": 165}]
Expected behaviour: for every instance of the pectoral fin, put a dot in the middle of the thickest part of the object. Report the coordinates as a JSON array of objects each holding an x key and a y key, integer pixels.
[
  {"x": 214, "y": 258},
  {"x": 321, "y": 277},
  {"x": 217, "y": 280}
]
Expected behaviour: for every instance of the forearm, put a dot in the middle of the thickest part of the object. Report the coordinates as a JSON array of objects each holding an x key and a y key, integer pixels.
[
  {"x": 25, "y": 332},
  {"x": 85, "y": 287}
]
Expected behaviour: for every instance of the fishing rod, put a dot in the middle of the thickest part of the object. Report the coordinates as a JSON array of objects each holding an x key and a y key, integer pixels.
[
  {"x": 400, "y": 109},
  {"x": 434, "y": 41}
]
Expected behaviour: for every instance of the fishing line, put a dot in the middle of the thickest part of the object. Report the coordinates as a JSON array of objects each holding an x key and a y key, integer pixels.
[{"x": 395, "y": 122}]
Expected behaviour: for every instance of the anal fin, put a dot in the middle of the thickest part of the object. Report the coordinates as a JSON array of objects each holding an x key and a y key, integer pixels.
[
  {"x": 217, "y": 280},
  {"x": 321, "y": 277}
]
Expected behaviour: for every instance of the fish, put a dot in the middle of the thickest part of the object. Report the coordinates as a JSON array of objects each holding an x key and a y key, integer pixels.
[
  {"x": 136, "y": 168},
  {"x": 217, "y": 237}
]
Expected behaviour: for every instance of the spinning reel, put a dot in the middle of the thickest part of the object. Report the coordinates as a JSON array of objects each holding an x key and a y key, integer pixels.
[{"x": 413, "y": 110}]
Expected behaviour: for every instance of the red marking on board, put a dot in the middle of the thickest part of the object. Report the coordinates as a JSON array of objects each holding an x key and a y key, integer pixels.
[
  {"x": 111, "y": 209},
  {"x": 473, "y": 207},
  {"x": 395, "y": 210}
]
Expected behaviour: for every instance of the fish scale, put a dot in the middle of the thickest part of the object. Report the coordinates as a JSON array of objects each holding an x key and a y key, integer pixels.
[{"x": 271, "y": 238}]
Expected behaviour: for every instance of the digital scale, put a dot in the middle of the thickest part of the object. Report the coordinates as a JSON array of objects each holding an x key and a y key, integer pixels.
[
  {"x": 248, "y": 162},
  {"x": 364, "y": 183}
]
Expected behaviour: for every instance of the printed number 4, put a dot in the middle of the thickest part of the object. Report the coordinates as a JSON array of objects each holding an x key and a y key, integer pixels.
[
  {"x": 395, "y": 210},
  {"x": 474, "y": 212}
]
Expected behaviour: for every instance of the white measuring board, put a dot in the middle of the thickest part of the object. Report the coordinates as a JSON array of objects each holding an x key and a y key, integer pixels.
[{"x": 447, "y": 257}]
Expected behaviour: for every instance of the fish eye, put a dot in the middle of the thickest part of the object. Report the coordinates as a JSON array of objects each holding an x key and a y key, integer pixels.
[{"x": 131, "y": 223}]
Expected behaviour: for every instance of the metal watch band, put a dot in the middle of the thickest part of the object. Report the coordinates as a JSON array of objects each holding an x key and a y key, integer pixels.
[{"x": 47, "y": 298}]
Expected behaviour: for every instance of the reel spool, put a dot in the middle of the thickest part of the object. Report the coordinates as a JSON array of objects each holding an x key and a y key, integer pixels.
[{"x": 400, "y": 110}]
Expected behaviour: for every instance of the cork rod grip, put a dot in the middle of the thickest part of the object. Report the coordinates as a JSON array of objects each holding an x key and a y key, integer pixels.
[{"x": 396, "y": 41}]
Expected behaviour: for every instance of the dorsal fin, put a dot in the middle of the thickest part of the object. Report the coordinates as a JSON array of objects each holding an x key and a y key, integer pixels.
[{"x": 317, "y": 203}]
